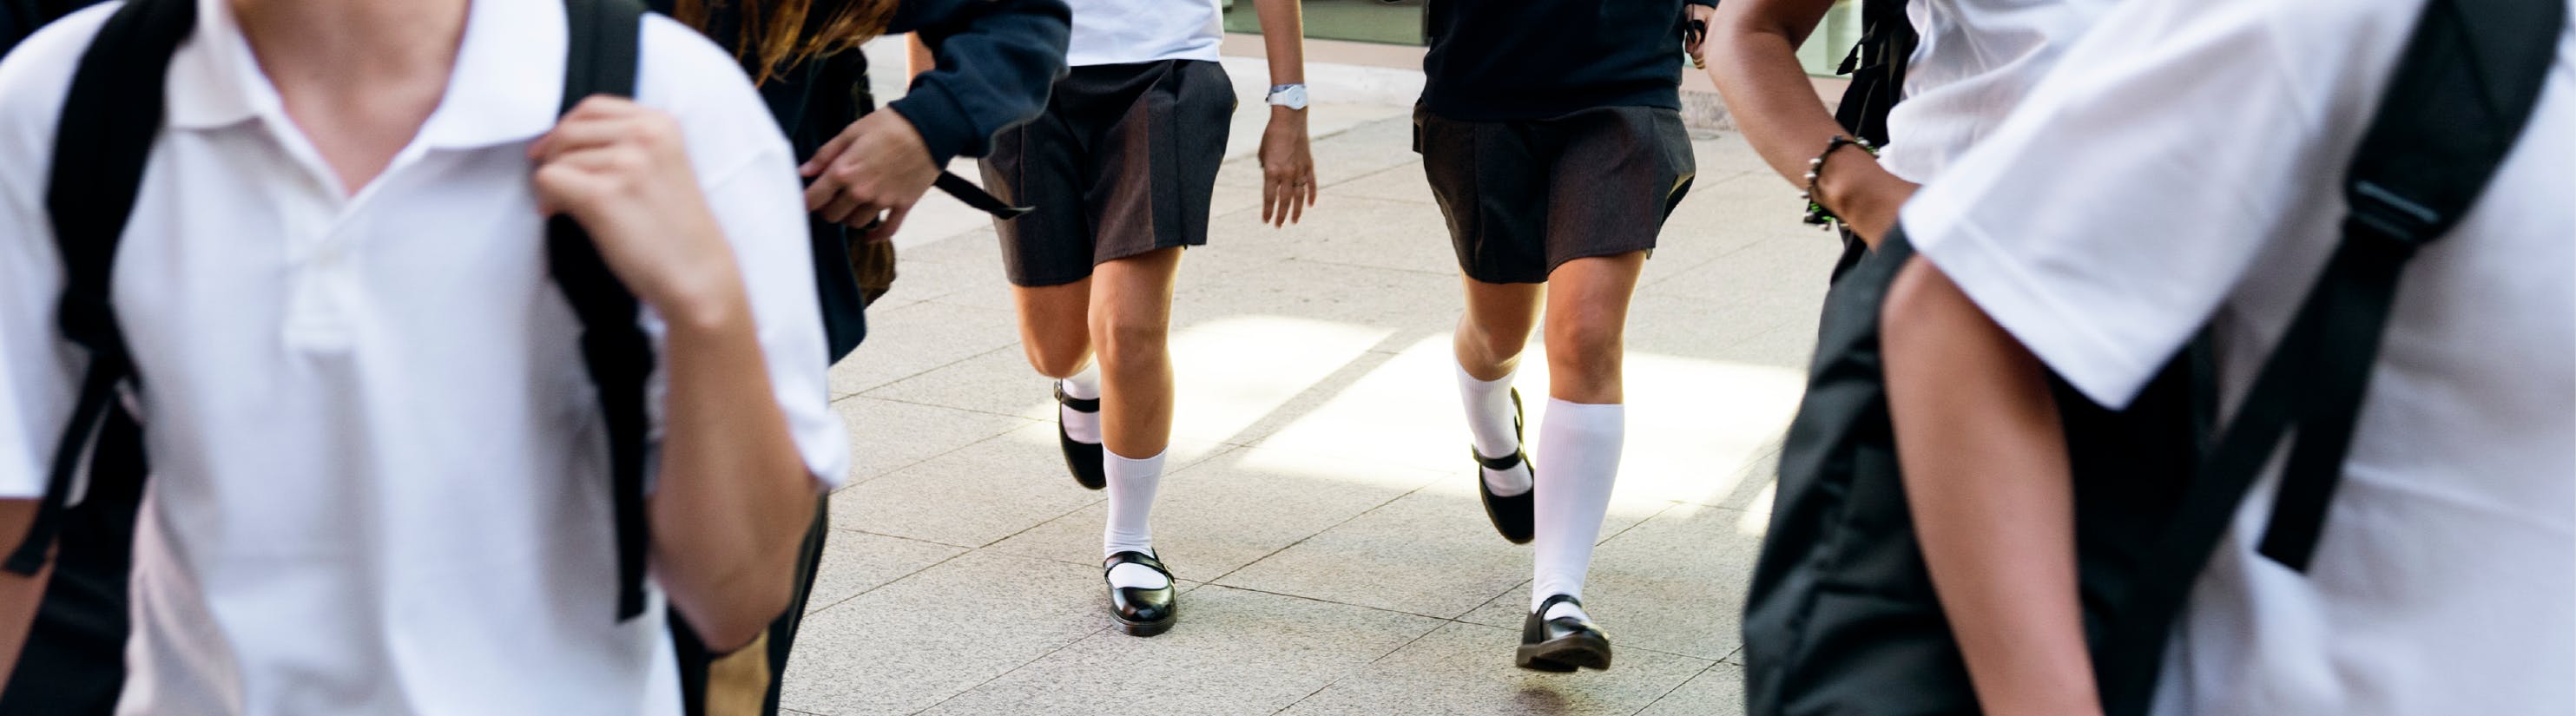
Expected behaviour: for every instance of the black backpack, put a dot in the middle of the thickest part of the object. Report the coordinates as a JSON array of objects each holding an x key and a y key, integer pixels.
[
  {"x": 111, "y": 116},
  {"x": 1842, "y": 618}
]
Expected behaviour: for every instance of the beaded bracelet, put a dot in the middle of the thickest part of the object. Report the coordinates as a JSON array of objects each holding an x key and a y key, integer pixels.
[{"x": 1817, "y": 214}]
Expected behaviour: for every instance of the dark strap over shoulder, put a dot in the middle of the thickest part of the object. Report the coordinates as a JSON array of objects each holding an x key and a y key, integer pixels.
[
  {"x": 601, "y": 61},
  {"x": 109, "y": 120},
  {"x": 2462, "y": 93},
  {"x": 1877, "y": 67}
]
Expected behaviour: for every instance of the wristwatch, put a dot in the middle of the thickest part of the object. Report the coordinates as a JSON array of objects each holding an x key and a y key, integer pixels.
[{"x": 1289, "y": 96}]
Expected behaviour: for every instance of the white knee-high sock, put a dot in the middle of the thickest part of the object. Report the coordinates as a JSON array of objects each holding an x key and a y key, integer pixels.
[
  {"x": 1578, "y": 448},
  {"x": 1489, "y": 422},
  {"x": 1083, "y": 427},
  {"x": 1131, "y": 503}
]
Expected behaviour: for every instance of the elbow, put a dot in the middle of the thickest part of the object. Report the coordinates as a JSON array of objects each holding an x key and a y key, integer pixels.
[
  {"x": 1918, "y": 302},
  {"x": 746, "y": 613}
]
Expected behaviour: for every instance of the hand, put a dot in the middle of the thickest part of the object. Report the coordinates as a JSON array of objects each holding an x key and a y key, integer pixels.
[
  {"x": 1863, "y": 194},
  {"x": 1696, "y": 19},
  {"x": 877, "y": 166},
  {"x": 1287, "y": 168},
  {"x": 620, "y": 170}
]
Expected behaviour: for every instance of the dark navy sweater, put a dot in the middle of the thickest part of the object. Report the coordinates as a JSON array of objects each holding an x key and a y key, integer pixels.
[
  {"x": 1534, "y": 59},
  {"x": 996, "y": 61}
]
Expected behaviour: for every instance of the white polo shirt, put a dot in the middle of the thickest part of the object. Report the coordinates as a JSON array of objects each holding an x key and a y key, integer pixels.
[
  {"x": 2188, "y": 167},
  {"x": 1117, "y": 32},
  {"x": 379, "y": 483},
  {"x": 1973, "y": 62}
]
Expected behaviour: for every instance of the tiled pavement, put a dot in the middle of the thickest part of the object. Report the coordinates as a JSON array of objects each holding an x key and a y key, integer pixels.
[{"x": 1321, "y": 512}]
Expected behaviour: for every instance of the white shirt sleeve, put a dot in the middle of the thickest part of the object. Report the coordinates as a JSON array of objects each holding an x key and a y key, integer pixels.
[
  {"x": 2108, "y": 218},
  {"x": 751, "y": 186},
  {"x": 35, "y": 381},
  {"x": 38, "y": 378}
]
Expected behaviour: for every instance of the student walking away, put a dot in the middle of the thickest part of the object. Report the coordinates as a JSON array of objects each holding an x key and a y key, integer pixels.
[
  {"x": 1919, "y": 97},
  {"x": 399, "y": 460},
  {"x": 1551, "y": 134},
  {"x": 805, "y": 60},
  {"x": 2369, "y": 262},
  {"x": 1121, "y": 166}
]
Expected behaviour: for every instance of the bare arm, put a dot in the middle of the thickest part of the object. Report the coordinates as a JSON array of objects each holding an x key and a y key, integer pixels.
[
  {"x": 1987, "y": 482},
  {"x": 19, "y": 595},
  {"x": 1753, "y": 57},
  {"x": 1288, "y": 182},
  {"x": 733, "y": 498}
]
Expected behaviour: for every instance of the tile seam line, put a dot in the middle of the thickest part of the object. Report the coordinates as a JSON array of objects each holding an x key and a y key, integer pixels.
[
  {"x": 918, "y": 463},
  {"x": 1337, "y": 680},
  {"x": 924, "y": 371},
  {"x": 1328, "y": 528},
  {"x": 1668, "y": 693},
  {"x": 1013, "y": 670}
]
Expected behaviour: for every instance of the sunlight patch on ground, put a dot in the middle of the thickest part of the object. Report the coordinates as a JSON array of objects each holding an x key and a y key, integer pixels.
[
  {"x": 1233, "y": 372},
  {"x": 1757, "y": 514},
  {"x": 1692, "y": 424}
]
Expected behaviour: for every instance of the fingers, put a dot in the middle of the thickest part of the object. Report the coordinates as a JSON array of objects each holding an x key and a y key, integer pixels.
[
  {"x": 578, "y": 134},
  {"x": 573, "y": 182},
  {"x": 892, "y": 222},
  {"x": 831, "y": 151},
  {"x": 821, "y": 193},
  {"x": 1305, "y": 190},
  {"x": 600, "y": 105},
  {"x": 1270, "y": 191},
  {"x": 842, "y": 208}
]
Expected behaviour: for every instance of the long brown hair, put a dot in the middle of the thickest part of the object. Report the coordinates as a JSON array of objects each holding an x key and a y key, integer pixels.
[{"x": 773, "y": 35}]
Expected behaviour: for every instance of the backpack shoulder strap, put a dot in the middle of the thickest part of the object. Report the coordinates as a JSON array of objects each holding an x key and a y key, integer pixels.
[
  {"x": 1877, "y": 67},
  {"x": 110, "y": 117},
  {"x": 601, "y": 59},
  {"x": 2463, "y": 92}
]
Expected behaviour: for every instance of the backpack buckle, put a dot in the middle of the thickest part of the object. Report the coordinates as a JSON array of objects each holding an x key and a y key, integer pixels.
[{"x": 2381, "y": 212}]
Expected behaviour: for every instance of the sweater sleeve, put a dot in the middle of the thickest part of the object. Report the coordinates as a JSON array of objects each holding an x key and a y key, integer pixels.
[{"x": 996, "y": 61}]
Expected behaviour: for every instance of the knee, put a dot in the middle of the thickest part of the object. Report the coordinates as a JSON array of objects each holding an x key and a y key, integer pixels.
[
  {"x": 1130, "y": 342},
  {"x": 1493, "y": 345},
  {"x": 1583, "y": 347},
  {"x": 1057, "y": 361}
]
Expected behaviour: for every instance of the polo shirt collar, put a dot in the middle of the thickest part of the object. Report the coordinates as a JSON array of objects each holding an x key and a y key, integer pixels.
[{"x": 506, "y": 85}]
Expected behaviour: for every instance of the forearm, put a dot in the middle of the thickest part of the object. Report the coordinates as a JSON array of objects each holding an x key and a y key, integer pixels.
[
  {"x": 1987, "y": 483},
  {"x": 1753, "y": 57},
  {"x": 733, "y": 497},
  {"x": 1283, "y": 40},
  {"x": 20, "y": 596}
]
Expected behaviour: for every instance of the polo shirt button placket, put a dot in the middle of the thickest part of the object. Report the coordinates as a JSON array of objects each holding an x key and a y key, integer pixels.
[{"x": 317, "y": 321}]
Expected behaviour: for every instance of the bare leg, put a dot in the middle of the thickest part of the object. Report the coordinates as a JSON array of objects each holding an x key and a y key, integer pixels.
[
  {"x": 1497, "y": 324},
  {"x": 1055, "y": 326},
  {"x": 1131, "y": 323},
  {"x": 1579, "y": 445},
  {"x": 1587, "y": 325}
]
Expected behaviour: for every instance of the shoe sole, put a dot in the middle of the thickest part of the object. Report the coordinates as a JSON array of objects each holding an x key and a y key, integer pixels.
[
  {"x": 1564, "y": 654},
  {"x": 1145, "y": 628}
]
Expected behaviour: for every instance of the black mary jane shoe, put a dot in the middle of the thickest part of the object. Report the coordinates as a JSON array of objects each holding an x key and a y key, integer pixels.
[
  {"x": 1084, "y": 459},
  {"x": 1562, "y": 644},
  {"x": 1143, "y": 612},
  {"x": 1510, "y": 515}
]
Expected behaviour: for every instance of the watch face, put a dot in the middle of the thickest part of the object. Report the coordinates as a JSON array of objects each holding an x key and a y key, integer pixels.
[{"x": 1289, "y": 97}]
